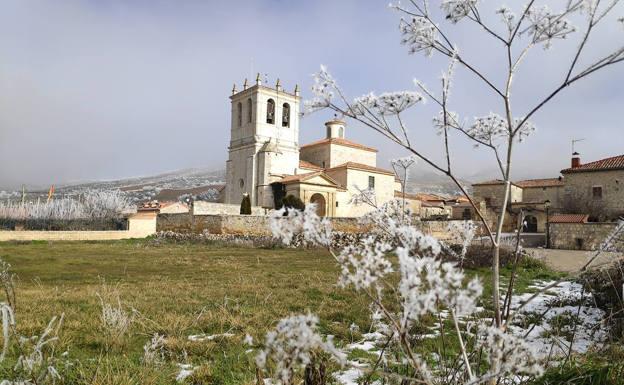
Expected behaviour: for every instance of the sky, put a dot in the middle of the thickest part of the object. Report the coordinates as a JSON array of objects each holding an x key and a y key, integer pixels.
[{"x": 95, "y": 89}]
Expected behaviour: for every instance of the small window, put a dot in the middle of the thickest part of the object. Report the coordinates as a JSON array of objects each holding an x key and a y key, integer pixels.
[
  {"x": 371, "y": 182},
  {"x": 336, "y": 203},
  {"x": 241, "y": 183},
  {"x": 270, "y": 114},
  {"x": 341, "y": 132},
  {"x": 286, "y": 115},
  {"x": 597, "y": 192},
  {"x": 467, "y": 214},
  {"x": 249, "y": 110},
  {"x": 239, "y": 114}
]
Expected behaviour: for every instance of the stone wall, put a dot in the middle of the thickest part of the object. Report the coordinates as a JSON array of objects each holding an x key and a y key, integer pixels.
[
  {"x": 579, "y": 236},
  {"x": 236, "y": 224},
  {"x": 212, "y": 208},
  {"x": 579, "y": 185},
  {"x": 140, "y": 225}
]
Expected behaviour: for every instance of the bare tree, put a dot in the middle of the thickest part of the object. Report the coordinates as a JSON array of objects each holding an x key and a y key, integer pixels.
[{"x": 421, "y": 31}]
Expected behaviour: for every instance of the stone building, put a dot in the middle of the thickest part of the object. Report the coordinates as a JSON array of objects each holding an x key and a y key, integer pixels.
[
  {"x": 266, "y": 161},
  {"x": 593, "y": 189}
]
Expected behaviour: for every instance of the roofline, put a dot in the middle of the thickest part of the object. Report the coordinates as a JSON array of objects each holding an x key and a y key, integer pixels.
[
  {"x": 330, "y": 141},
  {"x": 260, "y": 86},
  {"x": 351, "y": 166},
  {"x": 492, "y": 183},
  {"x": 580, "y": 170}
]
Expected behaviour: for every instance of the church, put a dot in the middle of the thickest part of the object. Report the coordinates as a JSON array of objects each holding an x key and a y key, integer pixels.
[{"x": 266, "y": 161}]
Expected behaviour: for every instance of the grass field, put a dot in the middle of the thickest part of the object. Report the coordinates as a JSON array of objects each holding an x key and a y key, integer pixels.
[{"x": 179, "y": 290}]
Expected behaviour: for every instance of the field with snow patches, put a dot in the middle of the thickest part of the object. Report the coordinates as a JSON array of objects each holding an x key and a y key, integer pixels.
[{"x": 212, "y": 306}]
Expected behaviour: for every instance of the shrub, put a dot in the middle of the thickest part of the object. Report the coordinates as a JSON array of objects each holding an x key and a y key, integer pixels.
[
  {"x": 292, "y": 202},
  {"x": 245, "y": 208}
]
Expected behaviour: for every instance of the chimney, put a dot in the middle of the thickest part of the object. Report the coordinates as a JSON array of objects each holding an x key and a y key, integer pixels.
[{"x": 576, "y": 160}]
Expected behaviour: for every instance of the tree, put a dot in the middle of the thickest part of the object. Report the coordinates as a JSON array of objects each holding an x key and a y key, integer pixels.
[
  {"x": 423, "y": 30},
  {"x": 245, "y": 208},
  {"x": 497, "y": 133}
]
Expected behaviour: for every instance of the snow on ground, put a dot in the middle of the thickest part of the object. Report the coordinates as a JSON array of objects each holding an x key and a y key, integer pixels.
[
  {"x": 207, "y": 337},
  {"x": 547, "y": 321},
  {"x": 556, "y": 315},
  {"x": 185, "y": 371}
]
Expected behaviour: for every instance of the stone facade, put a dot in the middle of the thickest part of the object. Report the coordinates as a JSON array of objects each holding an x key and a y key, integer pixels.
[
  {"x": 212, "y": 208},
  {"x": 580, "y": 193},
  {"x": 579, "y": 236}
]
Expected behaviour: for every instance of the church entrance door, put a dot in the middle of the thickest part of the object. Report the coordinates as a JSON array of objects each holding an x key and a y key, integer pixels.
[{"x": 319, "y": 199}]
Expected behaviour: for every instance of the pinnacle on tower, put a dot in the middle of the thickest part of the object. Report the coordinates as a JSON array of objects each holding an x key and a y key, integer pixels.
[
  {"x": 296, "y": 89},
  {"x": 245, "y": 84},
  {"x": 234, "y": 89},
  {"x": 277, "y": 85},
  {"x": 258, "y": 81}
]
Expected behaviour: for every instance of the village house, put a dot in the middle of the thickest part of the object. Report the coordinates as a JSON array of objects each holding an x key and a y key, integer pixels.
[
  {"x": 266, "y": 161},
  {"x": 592, "y": 191}
]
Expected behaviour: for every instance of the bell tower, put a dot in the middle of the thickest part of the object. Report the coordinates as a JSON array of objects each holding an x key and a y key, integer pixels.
[{"x": 264, "y": 141}]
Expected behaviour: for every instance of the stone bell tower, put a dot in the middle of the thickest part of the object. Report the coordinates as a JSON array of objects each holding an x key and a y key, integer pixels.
[{"x": 264, "y": 141}]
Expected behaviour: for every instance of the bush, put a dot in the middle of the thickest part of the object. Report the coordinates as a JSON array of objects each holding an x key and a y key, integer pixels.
[
  {"x": 245, "y": 208},
  {"x": 292, "y": 202},
  {"x": 606, "y": 285}
]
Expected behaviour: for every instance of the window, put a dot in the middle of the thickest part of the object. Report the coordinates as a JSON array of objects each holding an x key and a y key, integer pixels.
[
  {"x": 249, "y": 110},
  {"x": 371, "y": 182},
  {"x": 270, "y": 115},
  {"x": 241, "y": 183},
  {"x": 597, "y": 192},
  {"x": 341, "y": 132},
  {"x": 467, "y": 214},
  {"x": 336, "y": 203},
  {"x": 239, "y": 114},
  {"x": 286, "y": 115},
  {"x": 328, "y": 132}
]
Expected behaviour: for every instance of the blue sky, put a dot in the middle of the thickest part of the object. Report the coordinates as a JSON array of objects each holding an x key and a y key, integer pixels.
[{"x": 109, "y": 89}]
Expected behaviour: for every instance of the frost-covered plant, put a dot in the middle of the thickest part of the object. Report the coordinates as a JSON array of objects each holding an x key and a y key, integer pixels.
[
  {"x": 154, "y": 350},
  {"x": 115, "y": 320},
  {"x": 292, "y": 345},
  {"x": 462, "y": 233},
  {"x": 285, "y": 224},
  {"x": 93, "y": 204},
  {"x": 37, "y": 361},
  {"x": 427, "y": 287}
]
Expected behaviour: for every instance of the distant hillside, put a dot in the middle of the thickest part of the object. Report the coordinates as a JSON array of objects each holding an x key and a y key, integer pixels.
[
  {"x": 164, "y": 187},
  {"x": 422, "y": 180}
]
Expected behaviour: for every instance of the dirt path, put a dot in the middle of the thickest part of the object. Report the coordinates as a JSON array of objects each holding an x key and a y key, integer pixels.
[{"x": 571, "y": 260}]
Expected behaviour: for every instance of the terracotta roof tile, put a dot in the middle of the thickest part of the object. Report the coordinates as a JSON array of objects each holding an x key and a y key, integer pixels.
[
  {"x": 568, "y": 218},
  {"x": 361, "y": 166},
  {"x": 549, "y": 182},
  {"x": 613, "y": 163},
  {"x": 308, "y": 165},
  {"x": 398, "y": 194},
  {"x": 339, "y": 141}
]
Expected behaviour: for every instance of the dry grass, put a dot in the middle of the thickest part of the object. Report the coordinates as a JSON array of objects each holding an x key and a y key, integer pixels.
[{"x": 177, "y": 291}]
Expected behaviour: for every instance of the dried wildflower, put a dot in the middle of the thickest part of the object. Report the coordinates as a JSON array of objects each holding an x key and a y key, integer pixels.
[
  {"x": 285, "y": 224},
  {"x": 456, "y": 10},
  {"x": 291, "y": 346},
  {"x": 419, "y": 35},
  {"x": 547, "y": 26},
  {"x": 154, "y": 350},
  {"x": 363, "y": 264},
  {"x": 388, "y": 103}
]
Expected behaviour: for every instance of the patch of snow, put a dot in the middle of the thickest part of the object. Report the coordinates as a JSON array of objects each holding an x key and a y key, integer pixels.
[
  {"x": 185, "y": 371},
  {"x": 206, "y": 337}
]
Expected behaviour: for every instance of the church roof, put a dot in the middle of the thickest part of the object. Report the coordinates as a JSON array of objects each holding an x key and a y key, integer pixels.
[
  {"x": 340, "y": 142},
  {"x": 363, "y": 167},
  {"x": 308, "y": 165},
  {"x": 299, "y": 178}
]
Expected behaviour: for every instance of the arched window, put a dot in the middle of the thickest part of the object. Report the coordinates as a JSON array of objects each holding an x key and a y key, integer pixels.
[
  {"x": 270, "y": 111},
  {"x": 286, "y": 115},
  {"x": 249, "y": 110},
  {"x": 341, "y": 132},
  {"x": 239, "y": 114}
]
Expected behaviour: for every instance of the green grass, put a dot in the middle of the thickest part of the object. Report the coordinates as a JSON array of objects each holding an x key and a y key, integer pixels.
[{"x": 179, "y": 290}]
